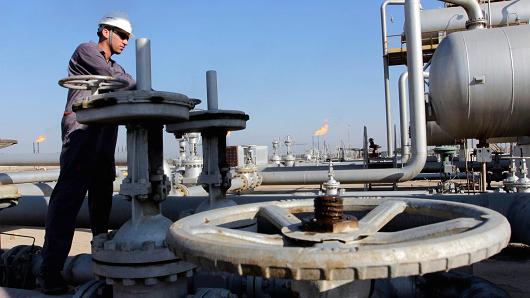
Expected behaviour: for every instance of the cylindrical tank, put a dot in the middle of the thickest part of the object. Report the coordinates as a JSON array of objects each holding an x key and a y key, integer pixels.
[{"x": 479, "y": 83}]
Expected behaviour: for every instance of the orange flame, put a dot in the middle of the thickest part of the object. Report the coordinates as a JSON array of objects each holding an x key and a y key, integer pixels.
[
  {"x": 40, "y": 139},
  {"x": 229, "y": 133},
  {"x": 323, "y": 130}
]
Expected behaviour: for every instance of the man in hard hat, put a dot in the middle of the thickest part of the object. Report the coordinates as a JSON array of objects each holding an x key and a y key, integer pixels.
[{"x": 87, "y": 156}]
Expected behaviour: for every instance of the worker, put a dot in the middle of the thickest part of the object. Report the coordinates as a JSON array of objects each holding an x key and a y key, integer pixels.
[
  {"x": 87, "y": 155},
  {"x": 374, "y": 147}
]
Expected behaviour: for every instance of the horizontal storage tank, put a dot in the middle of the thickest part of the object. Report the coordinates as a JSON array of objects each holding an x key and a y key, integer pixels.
[{"x": 480, "y": 83}]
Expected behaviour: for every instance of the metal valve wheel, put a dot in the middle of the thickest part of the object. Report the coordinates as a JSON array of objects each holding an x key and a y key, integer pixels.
[
  {"x": 95, "y": 83},
  {"x": 393, "y": 237}
]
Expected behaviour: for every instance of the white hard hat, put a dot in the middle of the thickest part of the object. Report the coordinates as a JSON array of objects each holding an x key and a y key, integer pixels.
[{"x": 118, "y": 20}]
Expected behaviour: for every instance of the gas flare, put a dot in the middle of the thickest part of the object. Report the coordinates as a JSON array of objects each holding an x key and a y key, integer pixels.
[
  {"x": 323, "y": 130},
  {"x": 40, "y": 139}
]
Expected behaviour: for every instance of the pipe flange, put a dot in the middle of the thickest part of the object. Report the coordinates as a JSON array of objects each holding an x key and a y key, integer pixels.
[
  {"x": 428, "y": 236},
  {"x": 197, "y": 163},
  {"x": 219, "y": 121},
  {"x": 132, "y": 276},
  {"x": 124, "y": 107},
  {"x": 109, "y": 251},
  {"x": 475, "y": 22}
]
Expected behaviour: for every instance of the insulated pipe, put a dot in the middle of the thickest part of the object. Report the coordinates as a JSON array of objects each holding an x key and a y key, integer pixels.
[
  {"x": 404, "y": 125},
  {"x": 292, "y": 175},
  {"x": 474, "y": 13},
  {"x": 384, "y": 38},
  {"x": 45, "y": 159}
]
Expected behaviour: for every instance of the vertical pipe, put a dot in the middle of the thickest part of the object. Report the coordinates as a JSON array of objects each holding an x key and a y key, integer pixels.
[
  {"x": 388, "y": 110},
  {"x": 416, "y": 87},
  {"x": 138, "y": 136},
  {"x": 143, "y": 64},
  {"x": 403, "y": 121},
  {"x": 483, "y": 177},
  {"x": 211, "y": 89},
  {"x": 489, "y": 13},
  {"x": 404, "y": 124},
  {"x": 384, "y": 39}
]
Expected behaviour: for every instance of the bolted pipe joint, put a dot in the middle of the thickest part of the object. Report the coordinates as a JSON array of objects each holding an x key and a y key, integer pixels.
[
  {"x": 474, "y": 13},
  {"x": 479, "y": 23}
]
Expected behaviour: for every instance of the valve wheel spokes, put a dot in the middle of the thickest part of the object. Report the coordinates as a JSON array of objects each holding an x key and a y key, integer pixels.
[
  {"x": 95, "y": 83},
  {"x": 395, "y": 237}
]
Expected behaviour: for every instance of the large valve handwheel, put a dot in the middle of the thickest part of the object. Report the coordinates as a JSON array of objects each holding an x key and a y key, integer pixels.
[
  {"x": 95, "y": 83},
  {"x": 394, "y": 237}
]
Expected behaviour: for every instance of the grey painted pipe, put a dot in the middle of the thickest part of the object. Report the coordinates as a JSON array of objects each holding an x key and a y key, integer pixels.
[
  {"x": 45, "y": 159},
  {"x": 384, "y": 38},
  {"x": 22, "y": 293},
  {"x": 143, "y": 64},
  {"x": 211, "y": 90},
  {"x": 473, "y": 11},
  {"x": 403, "y": 118},
  {"x": 29, "y": 177},
  {"x": 31, "y": 210},
  {"x": 36, "y": 189},
  {"x": 292, "y": 175},
  {"x": 77, "y": 270},
  {"x": 502, "y": 13},
  {"x": 46, "y": 188}
]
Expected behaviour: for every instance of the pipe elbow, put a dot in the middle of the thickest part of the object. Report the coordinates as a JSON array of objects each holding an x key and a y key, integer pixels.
[{"x": 473, "y": 11}]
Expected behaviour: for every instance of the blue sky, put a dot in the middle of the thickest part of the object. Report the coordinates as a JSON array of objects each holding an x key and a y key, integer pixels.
[{"x": 291, "y": 65}]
